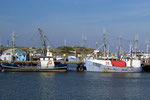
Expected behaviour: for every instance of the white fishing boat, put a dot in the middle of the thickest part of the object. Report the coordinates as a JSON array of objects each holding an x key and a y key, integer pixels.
[
  {"x": 130, "y": 64},
  {"x": 113, "y": 66}
]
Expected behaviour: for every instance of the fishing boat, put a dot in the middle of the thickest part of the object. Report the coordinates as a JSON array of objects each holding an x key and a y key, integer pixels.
[
  {"x": 46, "y": 64},
  {"x": 129, "y": 64},
  {"x": 113, "y": 66}
]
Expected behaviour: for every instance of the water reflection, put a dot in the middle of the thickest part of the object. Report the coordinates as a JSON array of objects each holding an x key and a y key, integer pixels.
[
  {"x": 74, "y": 86},
  {"x": 114, "y": 85},
  {"x": 46, "y": 86}
]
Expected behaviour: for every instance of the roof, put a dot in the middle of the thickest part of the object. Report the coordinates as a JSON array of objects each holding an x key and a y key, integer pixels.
[{"x": 18, "y": 51}]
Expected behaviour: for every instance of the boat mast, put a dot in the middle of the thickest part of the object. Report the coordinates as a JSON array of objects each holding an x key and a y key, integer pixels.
[
  {"x": 136, "y": 45},
  {"x": 104, "y": 44},
  {"x": 83, "y": 40},
  {"x": 43, "y": 43},
  {"x": 120, "y": 46},
  {"x": 130, "y": 51},
  {"x": 108, "y": 51},
  {"x": 13, "y": 42}
]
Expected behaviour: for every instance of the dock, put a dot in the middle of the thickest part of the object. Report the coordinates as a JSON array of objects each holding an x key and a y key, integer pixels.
[{"x": 37, "y": 62}]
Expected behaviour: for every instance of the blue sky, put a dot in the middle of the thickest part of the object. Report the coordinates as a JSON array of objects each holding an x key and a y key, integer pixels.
[{"x": 69, "y": 19}]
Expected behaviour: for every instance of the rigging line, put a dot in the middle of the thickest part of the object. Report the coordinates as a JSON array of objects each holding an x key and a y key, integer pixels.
[
  {"x": 100, "y": 47},
  {"x": 124, "y": 44},
  {"x": 49, "y": 42},
  {"x": 33, "y": 35},
  {"x": 34, "y": 39},
  {"x": 112, "y": 42}
]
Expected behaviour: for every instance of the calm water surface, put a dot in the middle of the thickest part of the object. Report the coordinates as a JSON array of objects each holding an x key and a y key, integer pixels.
[{"x": 74, "y": 86}]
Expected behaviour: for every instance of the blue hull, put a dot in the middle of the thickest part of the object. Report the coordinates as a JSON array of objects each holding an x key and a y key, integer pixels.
[{"x": 96, "y": 67}]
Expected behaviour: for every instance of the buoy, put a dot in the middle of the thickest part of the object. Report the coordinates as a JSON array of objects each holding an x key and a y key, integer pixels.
[{"x": 49, "y": 62}]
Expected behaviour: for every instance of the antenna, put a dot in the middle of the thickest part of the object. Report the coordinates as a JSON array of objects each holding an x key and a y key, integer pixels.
[
  {"x": 96, "y": 45},
  {"x": 84, "y": 39},
  {"x": 130, "y": 50},
  {"x": 7, "y": 43},
  {"x": 147, "y": 46},
  {"x": 120, "y": 45},
  {"x": 65, "y": 42}
]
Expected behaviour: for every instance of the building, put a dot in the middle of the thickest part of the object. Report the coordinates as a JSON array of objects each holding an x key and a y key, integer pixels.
[{"x": 19, "y": 55}]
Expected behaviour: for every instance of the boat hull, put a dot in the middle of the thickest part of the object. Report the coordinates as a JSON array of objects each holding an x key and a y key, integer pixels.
[
  {"x": 6, "y": 68},
  {"x": 34, "y": 70},
  {"x": 10, "y": 65},
  {"x": 96, "y": 67}
]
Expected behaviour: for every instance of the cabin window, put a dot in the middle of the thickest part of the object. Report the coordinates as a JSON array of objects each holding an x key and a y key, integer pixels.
[
  {"x": 7, "y": 53},
  {"x": 96, "y": 64},
  {"x": 124, "y": 69}
]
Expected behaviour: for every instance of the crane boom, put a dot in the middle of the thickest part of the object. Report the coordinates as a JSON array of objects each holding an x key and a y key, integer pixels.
[{"x": 43, "y": 43}]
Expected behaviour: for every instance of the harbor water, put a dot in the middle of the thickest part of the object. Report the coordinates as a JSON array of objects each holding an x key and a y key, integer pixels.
[{"x": 74, "y": 86}]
